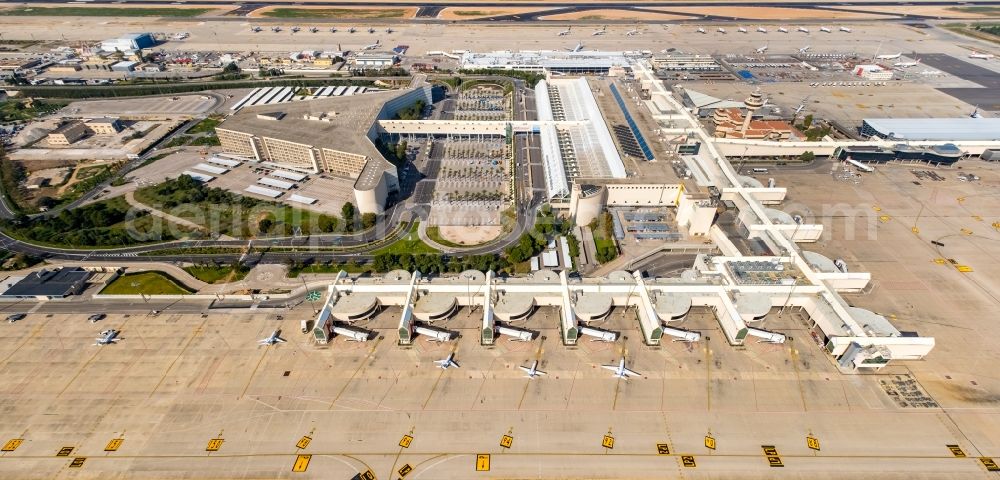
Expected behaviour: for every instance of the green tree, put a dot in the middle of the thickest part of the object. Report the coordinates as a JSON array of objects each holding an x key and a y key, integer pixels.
[
  {"x": 265, "y": 224},
  {"x": 807, "y": 156},
  {"x": 368, "y": 220}
]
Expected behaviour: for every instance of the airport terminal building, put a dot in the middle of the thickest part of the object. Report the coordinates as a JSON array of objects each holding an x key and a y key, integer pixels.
[{"x": 334, "y": 135}]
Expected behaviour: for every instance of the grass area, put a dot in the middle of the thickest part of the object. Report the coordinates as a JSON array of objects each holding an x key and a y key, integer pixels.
[
  {"x": 14, "y": 110},
  {"x": 217, "y": 273},
  {"x": 981, "y": 9},
  {"x": 206, "y": 141},
  {"x": 147, "y": 283},
  {"x": 982, "y": 31},
  {"x": 435, "y": 234},
  {"x": 475, "y": 13},
  {"x": 335, "y": 13},
  {"x": 105, "y": 12},
  {"x": 88, "y": 172},
  {"x": 206, "y": 126},
  {"x": 410, "y": 243}
]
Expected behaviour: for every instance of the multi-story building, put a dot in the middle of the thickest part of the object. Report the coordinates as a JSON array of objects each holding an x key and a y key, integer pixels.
[
  {"x": 334, "y": 135},
  {"x": 67, "y": 133},
  {"x": 105, "y": 125}
]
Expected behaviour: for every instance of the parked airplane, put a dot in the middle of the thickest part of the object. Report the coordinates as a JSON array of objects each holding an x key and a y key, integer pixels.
[
  {"x": 255, "y": 29},
  {"x": 273, "y": 339},
  {"x": 389, "y": 30},
  {"x": 761, "y": 29},
  {"x": 805, "y": 49},
  {"x": 371, "y": 30},
  {"x": 296, "y": 29},
  {"x": 782, "y": 29},
  {"x": 351, "y": 30},
  {"x": 448, "y": 362},
  {"x": 313, "y": 29},
  {"x": 721, "y": 30},
  {"x": 333, "y": 29},
  {"x": 565, "y": 32},
  {"x": 378, "y": 43},
  {"x": 577, "y": 48},
  {"x": 906, "y": 64},
  {"x": 825, "y": 29},
  {"x": 533, "y": 371},
  {"x": 108, "y": 337},
  {"x": 701, "y": 30},
  {"x": 602, "y": 31},
  {"x": 888, "y": 57},
  {"x": 742, "y": 29},
  {"x": 633, "y": 32},
  {"x": 620, "y": 370},
  {"x": 845, "y": 29},
  {"x": 275, "y": 29},
  {"x": 803, "y": 29},
  {"x": 762, "y": 49},
  {"x": 975, "y": 113},
  {"x": 983, "y": 56}
]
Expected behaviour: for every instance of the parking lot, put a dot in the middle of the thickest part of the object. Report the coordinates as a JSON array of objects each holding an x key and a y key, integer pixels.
[{"x": 472, "y": 182}]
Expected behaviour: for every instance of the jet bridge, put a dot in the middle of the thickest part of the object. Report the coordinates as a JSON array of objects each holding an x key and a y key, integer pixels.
[
  {"x": 567, "y": 324},
  {"x": 321, "y": 328},
  {"x": 488, "y": 336},
  {"x": 406, "y": 318}
]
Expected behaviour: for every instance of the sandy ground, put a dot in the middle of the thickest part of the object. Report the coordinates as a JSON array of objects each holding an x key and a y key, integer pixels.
[
  {"x": 766, "y": 13},
  {"x": 452, "y": 13},
  {"x": 409, "y": 12},
  {"x": 469, "y": 235},
  {"x": 946, "y": 12},
  {"x": 614, "y": 15},
  {"x": 216, "y": 9}
]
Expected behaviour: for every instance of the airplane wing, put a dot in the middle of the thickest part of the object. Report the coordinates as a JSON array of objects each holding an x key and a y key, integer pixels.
[
  {"x": 456, "y": 364},
  {"x": 539, "y": 372},
  {"x": 525, "y": 369},
  {"x": 613, "y": 368},
  {"x": 632, "y": 373},
  {"x": 279, "y": 339}
]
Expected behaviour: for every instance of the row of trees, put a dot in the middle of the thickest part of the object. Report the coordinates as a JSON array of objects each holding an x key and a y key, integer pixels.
[
  {"x": 100, "y": 224},
  {"x": 435, "y": 263}
]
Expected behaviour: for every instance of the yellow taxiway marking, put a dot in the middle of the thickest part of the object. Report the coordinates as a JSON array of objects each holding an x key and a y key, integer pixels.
[
  {"x": 405, "y": 441},
  {"x": 990, "y": 465},
  {"x": 303, "y": 442},
  {"x": 12, "y": 445},
  {"x": 956, "y": 451},
  {"x": 662, "y": 449},
  {"x": 65, "y": 451},
  {"x": 114, "y": 444},
  {"x": 688, "y": 461},
  {"x": 301, "y": 463},
  {"x": 709, "y": 442},
  {"x": 214, "y": 445},
  {"x": 483, "y": 462},
  {"x": 404, "y": 470},
  {"x": 812, "y": 442},
  {"x": 77, "y": 462}
]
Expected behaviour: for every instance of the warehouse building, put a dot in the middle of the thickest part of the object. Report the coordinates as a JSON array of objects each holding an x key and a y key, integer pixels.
[
  {"x": 68, "y": 133},
  {"x": 128, "y": 42},
  {"x": 334, "y": 135}
]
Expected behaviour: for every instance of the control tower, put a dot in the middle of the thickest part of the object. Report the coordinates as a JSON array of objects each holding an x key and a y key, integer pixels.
[{"x": 753, "y": 103}]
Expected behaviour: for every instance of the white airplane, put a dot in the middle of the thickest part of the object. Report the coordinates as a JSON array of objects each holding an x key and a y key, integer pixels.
[
  {"x": 621, "y": 371},
  {"x": 602, "y": 31},
  {"x": 742, "y": 29},
  {"x": 389, "y": 30},
  {"x": 577, "y": 48},
  {"x": 108, "y": 337},
  {"x": 565, "y": 32},
  {"x": 930, "y": 72},
  {"x": 762, "y": 49},
  {"x": 761, "y": 29},
  {"x": 533, "y": 371},
  {"x": 351, "y": 30},
  {"x": 313, "y": 29},
  {"x": 845, "y": 29},
  {"x": 975, "y": 113},
  {"x": 983, "y": 56},
  {"x": 888, "y": 57},
  {"x": 378, "y": 43},
  {"x": 275, "y": 29},
  {"x": 371, "y": 30},
  {"x": 906, "y": 64},
  {"x": 803, "y": 29},
  {"x": 255, "y": 29},
  {"x": 333, "y": 29},
  {"x": 782, "y": 29},
  {"x": 721, "y": 30},
  {"x": 273, "y": 339},
  {"x": 701, "y": 30},
  {"x": 296, "y": 28},
  {"x": 448, "y": 362},
  {"x": 805, "y": 49},
  {"x": 633, "y": 32},
  {"x": 825, "y": 29}
]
